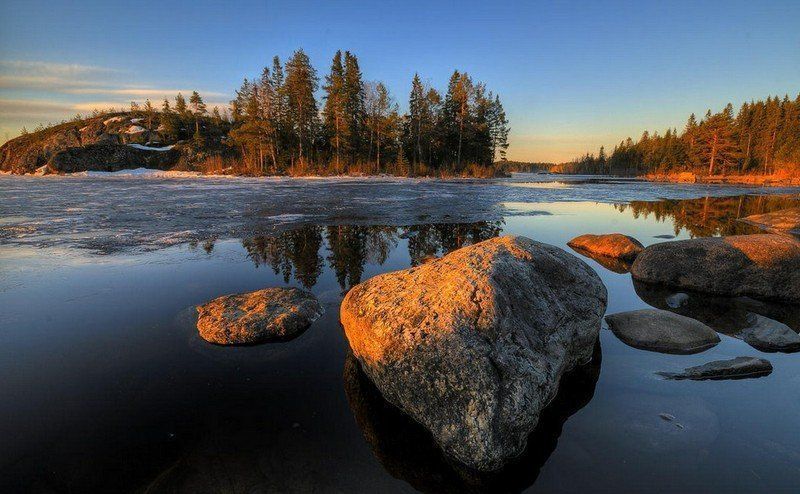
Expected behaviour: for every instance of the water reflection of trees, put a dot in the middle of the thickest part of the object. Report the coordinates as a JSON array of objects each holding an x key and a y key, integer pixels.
[
  {"x": 296, "y": 253},
  {"x": 710, "y": 216}
]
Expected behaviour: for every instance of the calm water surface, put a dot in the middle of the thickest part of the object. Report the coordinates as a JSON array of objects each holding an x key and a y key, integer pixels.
[{"x": 106, "y": 386}]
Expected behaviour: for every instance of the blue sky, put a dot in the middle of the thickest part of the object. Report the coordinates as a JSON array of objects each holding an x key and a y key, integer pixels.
[{"x": 572, "y": 75}]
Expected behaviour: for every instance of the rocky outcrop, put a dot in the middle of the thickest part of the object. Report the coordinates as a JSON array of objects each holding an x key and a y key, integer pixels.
[
  {"x": 473, "y": 345},
  {"x": 111, "y": 158},
  {"x": 736, "y": 368},
  {"x": 98, "y": 144},
  {"x": 661, "y": 331},
  {"x": 614, "y": 245},
  {"x": 256, "y": 317},
  {"x": 785, "y": 220},
  {"x": 762, "y": 266},
  {"x": 768, "y": 335}
]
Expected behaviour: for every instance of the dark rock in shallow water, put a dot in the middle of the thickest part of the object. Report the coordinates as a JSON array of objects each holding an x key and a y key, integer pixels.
[
  {"x": 762, "y": 266},
  {"x": 615, "y": 245},
  {"x": 472, "y": 345},
  {"x": 736, "y": 368},
  {"x": 770, "y": 336},
  {"x": 255, "y": 317},
  {"x": 787, "y": 220},
  {"x": 408, "y": 452},
  {"x": 661, "y": 331}
]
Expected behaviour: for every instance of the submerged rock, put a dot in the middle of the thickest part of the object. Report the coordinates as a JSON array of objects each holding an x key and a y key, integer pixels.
[
  {"x": 677, "y": 300},
  {"x": 762, "y": 266},
  {"x": 256, "y": 317},
  {"x": 736, "y": 368},
  {"x": 787, "y": 220},
  {"x": 662, "y": 331},
  {"x": 473, "y": 345},
  {"x": 615, "y": 245},
  {"x": 769, "y": 335}
]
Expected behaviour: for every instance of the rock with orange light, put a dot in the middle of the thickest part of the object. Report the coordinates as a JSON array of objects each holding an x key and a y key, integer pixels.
[
  {"x": 473, "y": 345},
  {"x": 761, "y": 266},
  {"x": 256, "y": 317},
  {"x": 613, "y": 245}
]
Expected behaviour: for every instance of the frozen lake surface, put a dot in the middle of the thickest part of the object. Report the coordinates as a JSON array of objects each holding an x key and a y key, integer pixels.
[{"x": 107, "y": 386}]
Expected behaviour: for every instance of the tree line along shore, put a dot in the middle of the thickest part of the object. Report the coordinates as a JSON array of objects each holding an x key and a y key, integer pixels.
[
  {"x": 760, "y": 143},
  {"x": 278, "y": 124}
]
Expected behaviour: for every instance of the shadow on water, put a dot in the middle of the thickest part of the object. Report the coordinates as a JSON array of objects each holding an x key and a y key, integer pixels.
[
  {"x": 408, "y": 452},
  {"x": 726, "y": 315}
]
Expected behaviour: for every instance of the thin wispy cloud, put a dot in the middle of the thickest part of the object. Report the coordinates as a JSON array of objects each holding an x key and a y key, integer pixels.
[{"x": 44, "y": 91}]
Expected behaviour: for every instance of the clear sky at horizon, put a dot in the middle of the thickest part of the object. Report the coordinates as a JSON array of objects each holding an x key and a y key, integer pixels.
[{"x": 572, "y": 75}]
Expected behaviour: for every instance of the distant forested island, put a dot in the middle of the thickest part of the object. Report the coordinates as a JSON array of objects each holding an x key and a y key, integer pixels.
[
  {"x": 277, "y": 125},
  {"x": 762, "y": 139}
]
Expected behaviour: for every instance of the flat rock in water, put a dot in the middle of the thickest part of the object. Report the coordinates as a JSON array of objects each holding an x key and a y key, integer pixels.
[
  {"x": 736, "y": 368},
  {"x": 770, "y": 336},
  {"x": 473, "y": 345},
  {"x": 256, "y": 317},
  {"x": 762, "y": 266},
  {"x": 662, "y": 331},
  {"x": 615, "y": 245},
  {"x": 787, "y": 220}
]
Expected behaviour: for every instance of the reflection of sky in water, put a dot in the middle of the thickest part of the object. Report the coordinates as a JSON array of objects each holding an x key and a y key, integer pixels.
[{"x": 102, "y": 366}]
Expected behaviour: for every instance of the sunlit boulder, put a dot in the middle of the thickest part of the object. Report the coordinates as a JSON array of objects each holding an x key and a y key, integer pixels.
[
  {"x": 614, "y": 245},
  {"x": 256, "y": 317},
  {"x": 473, "y": 345},
  {"x": 762, "y": 266}
]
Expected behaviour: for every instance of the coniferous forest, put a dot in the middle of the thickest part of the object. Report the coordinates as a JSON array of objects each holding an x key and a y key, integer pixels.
[
  {"x": 279, "y": 126},
  {"x": 762, "y": 138}
]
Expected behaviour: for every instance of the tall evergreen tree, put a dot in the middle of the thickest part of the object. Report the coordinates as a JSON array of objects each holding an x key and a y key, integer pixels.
[{"x": 301, "y": 83}]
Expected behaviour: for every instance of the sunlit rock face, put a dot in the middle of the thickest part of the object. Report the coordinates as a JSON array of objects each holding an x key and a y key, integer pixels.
[
  {"x": 787, "y": 220},
  {"x": 614, "y": 245},
  {"x": 256, "y": 317},
  {"x": 762, "y": 266},
  {"x": 473, "y": 345}
]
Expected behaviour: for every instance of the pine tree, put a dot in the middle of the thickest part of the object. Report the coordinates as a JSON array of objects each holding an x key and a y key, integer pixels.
[
  {"x": 301, "y": 83},
  {"x": 334, "y": 112},
  {"x": 354, "y": 106},
  {"x": 150, "y": 112}
]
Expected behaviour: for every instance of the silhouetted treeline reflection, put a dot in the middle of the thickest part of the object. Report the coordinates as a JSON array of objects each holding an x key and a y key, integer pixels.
[
  {"x": 710, "y": 216},
  {"x": 298, "y": 253}
]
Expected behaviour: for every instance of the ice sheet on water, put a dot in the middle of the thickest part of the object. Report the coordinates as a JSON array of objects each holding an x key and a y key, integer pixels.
[{"x": 148, "y": 209}]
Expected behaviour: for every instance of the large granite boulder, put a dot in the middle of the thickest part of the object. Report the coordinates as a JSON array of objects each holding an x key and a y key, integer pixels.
[
  {"x": 762, "y": 266},
  {"x": 473, "y": 345},
  {"x": 256, "y": 317},
  {"x": 785, "y": 220},
  {"x": 662, "y": 331},
  {"x": 111, "y": 158},
  {"x": 614, "y": 245}
]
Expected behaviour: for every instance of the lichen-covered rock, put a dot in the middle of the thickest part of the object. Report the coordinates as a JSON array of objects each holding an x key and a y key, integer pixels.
[
  {"x": 762, "y": 266},
  {"x": 770, "y": 336},
  {"x": 615, "y": 245},
  {"x": 256, "y": 317},
  {"x": 662, "y": 331},
  {"x": 111, "y": 158},
  {"x": 473, "y": 345},
  {"x": 786, "y": 220},
  {"x": 735, "y": 368}
]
